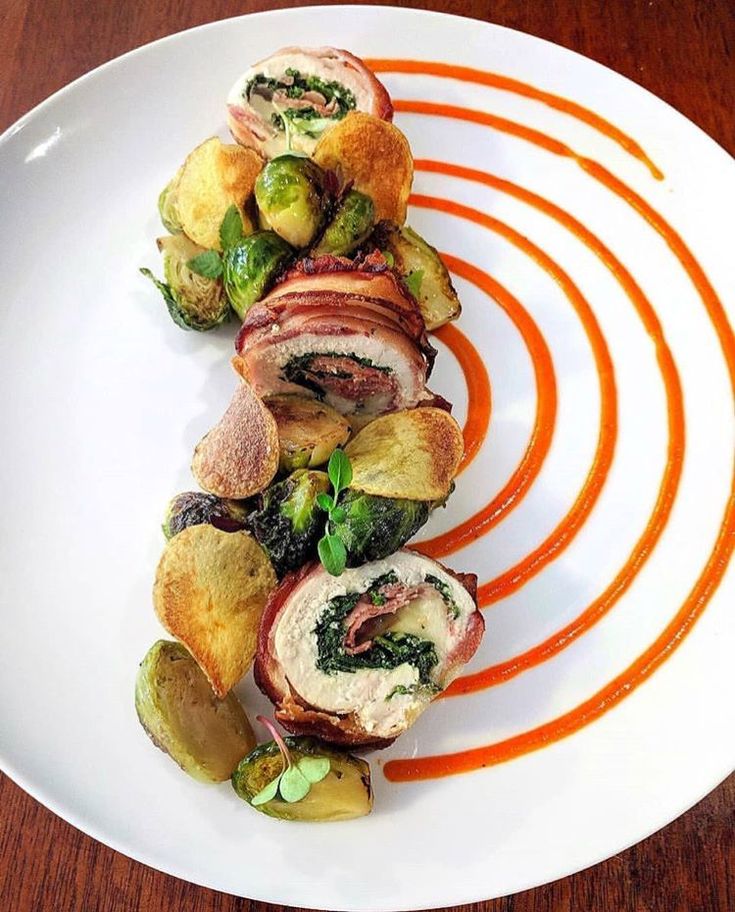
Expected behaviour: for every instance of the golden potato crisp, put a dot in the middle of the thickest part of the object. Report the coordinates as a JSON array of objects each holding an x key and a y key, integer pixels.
[
  {"x": 214, "y": 177},
  {"x": 210, "y": 591},
  {"x": 413, "y": 454},
  {"x": 375, "y": 156},
  {"x": 239, "y": 456}
]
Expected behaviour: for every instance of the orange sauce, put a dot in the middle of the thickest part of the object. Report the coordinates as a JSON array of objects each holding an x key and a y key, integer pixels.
[
  {"x": 565, "y": 531},
  {"x": 505, "y": 83},
  {"x": 528, "y": 468},
  {"x": 711, "y": 575},
  {"x": 503, "y": 671},
  {"x": 478, "y": 387}
]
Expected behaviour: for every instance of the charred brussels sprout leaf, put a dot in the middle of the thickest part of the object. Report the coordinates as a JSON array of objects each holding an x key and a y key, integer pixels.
[
  {"x": 289, "y": 522},
  {"x": 375, "y": 527},
  {"x": 251, "y": 266},
  {"x": 292, "y": 198},
  {"x": 194, "y": 302},
  {"x": 343, "y": 793},
  {"x": 421, "y": 267},
  {"x": 206, "y": 736},
  {"x": 350, "y": 225},
  {"x": 192, "y": 508},
  {"x": 308, "y": 431},
  {"x": 167, "y": 208}
]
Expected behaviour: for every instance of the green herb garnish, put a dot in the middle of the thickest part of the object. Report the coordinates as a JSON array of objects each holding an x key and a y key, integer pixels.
[
  {"x": 209, "y": 263},
  {"x": 331, "y": 549},
  {"x": 295, "y": 780}
]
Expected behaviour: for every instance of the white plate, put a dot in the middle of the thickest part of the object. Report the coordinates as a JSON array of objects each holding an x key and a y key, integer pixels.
[{"x": 104, "y": 398}]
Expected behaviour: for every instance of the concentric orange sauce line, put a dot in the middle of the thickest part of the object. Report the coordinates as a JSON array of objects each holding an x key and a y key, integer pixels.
[
  {"x": 692, "y": 608},
  {"x": 503, "y": 671},
  {"x": 477, "y": 525},
  {"x": 542, "y": 431},
  {"x": 479, "y": 397},
  {"x": 506, "y": 84}
]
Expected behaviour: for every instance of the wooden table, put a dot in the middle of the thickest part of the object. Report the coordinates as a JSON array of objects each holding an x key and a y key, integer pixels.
[{"x": 684, "y": 51}]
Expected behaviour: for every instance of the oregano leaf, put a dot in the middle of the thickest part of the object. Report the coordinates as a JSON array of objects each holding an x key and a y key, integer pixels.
[
  {"x": 207, "y": 264},
  {"x": 314, "y": 769},
  {"x": 338, "y": 515},
  {"x": 231, "y": 230},
  {"x": 293, "y": 785},
  {"x": 268, "y": 793},
  {"x": 339, "y": 470},
  {"x": 325, "y": 502},
  {"x": 332, "y": 554}
]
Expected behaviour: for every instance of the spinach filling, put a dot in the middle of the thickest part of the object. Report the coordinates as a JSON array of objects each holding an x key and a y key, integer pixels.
[
  {"x": 298, "y": 370},
  {"x": 294, "y": 85},
  {"x": 445, "y": 592},
  {"x": 389, "y": 650}
]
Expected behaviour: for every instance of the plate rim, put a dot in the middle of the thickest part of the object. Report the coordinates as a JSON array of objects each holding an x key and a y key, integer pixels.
[{"x": 65, "y": 811}]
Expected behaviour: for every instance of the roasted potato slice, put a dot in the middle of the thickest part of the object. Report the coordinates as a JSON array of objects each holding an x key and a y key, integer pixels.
[
  {"x": 308, "y": 431},
  {"x": 210, "y": 591},
  {"x": 239, "y": 456},
  {"x": 413, "y": 454},
  {"x": 206, "y": 736},
  {"x": 214, "y": 177},
  {"x": 375, "y": 157},
  {"x": 434, "y": 292}
]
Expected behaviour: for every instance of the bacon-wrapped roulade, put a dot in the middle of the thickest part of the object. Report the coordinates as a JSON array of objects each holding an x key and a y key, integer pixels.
[
  {"x": 351, "y": 337},
  {"x": 355, "y": 659},
  {"x": 291, "y": 98}
]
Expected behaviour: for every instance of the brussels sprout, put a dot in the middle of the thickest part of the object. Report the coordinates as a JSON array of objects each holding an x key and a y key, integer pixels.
[
  {"x": 345, "y": 792},
  {"x": 292, "y": 198},
  {"x": 421, "y": 267},
  {"x": 192, "y": 508},
  {"x": 250, "y": 266},
  {"x": 194, "y": 302},
  {"x": 289, "y": 522},
  {"x": 308, "y": 431},
  {"x": 374, "y": 527},
  {"x": 167, "y": 207},
  {"x": 351, "y": 223},
  {"x": 207, "y": 737}
]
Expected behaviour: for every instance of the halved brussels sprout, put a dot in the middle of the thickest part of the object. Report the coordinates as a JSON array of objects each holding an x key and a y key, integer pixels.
[
  {"x": 427, "y": 277},
  {"x": 292, "y": 198},
  {"x": 250, "y": 267},
  {"x": 289, "y": 522},
  {"x": 193, "y": 301},
  {"x": 308, "y": 431},
  {"x": 375, "y": 527},
  {"x": 167, "y": 207},
  {"x": 192, "y": 508},
  {"x": 207, "y": 737},
  {"x": 343, "y": 794},
  {"x": 350, "y": 225}
]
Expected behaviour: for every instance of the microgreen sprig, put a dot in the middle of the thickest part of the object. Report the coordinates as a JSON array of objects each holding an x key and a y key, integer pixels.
[
  {"x": 295, "y": 780},
  {"x": 331, "y": 548},
  {"x": 209, "y": 262}
]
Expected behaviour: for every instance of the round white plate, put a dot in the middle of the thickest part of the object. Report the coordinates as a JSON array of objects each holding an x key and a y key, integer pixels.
[{"x": 103, "y": 399}]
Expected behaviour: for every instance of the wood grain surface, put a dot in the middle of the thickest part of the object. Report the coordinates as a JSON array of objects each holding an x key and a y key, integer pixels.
[{"x": 683, "y": 51}]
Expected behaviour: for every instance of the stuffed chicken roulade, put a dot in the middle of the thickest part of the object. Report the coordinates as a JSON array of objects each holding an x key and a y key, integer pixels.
[
  {"x": 350, "y": 337},
  {"x": 289, "y": 100},
  {"x": 355, "y": 659}
]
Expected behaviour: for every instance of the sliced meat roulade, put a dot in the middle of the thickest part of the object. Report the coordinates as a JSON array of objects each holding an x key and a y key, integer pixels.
[
  {"x": 290, "y": 99},
  {"x": 355, "y": 659},
  {"x": 351, "y": 337}
]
